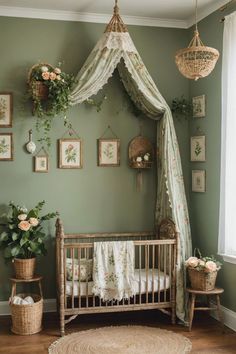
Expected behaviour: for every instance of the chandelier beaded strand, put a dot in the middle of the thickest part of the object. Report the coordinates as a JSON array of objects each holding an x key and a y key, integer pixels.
[{"x": 196, "y": 61}]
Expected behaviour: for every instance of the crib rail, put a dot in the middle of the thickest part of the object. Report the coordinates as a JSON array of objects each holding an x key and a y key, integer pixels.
[{"x": 155, "y": 278}]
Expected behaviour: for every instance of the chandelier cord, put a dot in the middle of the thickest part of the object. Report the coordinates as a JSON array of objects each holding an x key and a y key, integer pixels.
[{"x": 196, "y": 17}]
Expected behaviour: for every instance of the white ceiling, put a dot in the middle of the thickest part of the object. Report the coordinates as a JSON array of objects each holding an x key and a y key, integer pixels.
[{"x": 168, "y": 13}]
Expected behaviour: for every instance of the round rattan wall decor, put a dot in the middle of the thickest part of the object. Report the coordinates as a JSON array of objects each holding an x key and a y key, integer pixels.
[{"x": 141, "y": 153}]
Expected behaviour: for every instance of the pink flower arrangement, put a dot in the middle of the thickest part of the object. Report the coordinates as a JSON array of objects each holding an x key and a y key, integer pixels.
[{"x": 206, "y": 264}]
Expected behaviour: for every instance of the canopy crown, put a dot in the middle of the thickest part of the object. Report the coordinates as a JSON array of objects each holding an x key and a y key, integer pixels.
[{"x": 116, "y": 23}]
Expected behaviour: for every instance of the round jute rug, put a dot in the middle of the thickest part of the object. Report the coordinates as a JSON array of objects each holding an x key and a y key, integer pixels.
[{"x": 122, "y": 340}]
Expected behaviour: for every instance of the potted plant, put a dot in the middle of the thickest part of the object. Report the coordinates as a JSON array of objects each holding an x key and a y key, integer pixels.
[
  {"x": 22, "y": 238},
  {"x": 202, "y": 271},
  {"x": 49, "y": 90}
]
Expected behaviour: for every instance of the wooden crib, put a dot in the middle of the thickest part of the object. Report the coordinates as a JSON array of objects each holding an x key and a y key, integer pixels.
[{"x": 155, "y": 268}]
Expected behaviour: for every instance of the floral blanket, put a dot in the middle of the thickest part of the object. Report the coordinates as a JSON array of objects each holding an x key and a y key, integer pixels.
[{"x": 113, "y": 270}]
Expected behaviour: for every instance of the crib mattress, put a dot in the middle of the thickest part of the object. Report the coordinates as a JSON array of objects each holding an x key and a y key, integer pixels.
[{"x": 164, "y": 281}]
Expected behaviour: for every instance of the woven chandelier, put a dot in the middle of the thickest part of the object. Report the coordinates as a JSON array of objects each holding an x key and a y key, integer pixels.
[{"x": 196, "y": 61}]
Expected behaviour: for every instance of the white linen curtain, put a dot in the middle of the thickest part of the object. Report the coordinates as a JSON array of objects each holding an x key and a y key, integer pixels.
[{"x": 227, "y": 239}]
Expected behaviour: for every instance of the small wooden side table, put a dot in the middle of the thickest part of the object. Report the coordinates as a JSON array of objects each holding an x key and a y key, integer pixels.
[
  {"x": 36, "y": 278},
  {"x": 212, "y": 293}
]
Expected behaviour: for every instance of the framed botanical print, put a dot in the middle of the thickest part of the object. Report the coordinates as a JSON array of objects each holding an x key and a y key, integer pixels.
[
  {"x": 41, "y": 164},
  {"x": 199, "y": 181},
  {"x": 108, "y": 152},
  {"x": 6, "y": 147},
  {"x": 199, "y": 106},
  {"x": 6, "y": 110},
  {"x": 198, "y": 148},
  {"x": 70, "y": 153}
]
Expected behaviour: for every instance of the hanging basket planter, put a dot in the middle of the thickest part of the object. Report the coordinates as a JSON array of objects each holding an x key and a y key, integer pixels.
[{"x": 38, "y": 88}]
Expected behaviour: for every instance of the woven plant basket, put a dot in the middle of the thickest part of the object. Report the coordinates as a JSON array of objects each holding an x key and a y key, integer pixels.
[
  {"x": 27, "y": 319},
  {"x": 201, "y": 280},
  {"x": 39, "y": 89},
  {"x": 24, "y": 268}
]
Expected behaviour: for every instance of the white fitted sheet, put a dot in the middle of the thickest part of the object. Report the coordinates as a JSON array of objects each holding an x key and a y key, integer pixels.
[{"x": 163, "y": 284}]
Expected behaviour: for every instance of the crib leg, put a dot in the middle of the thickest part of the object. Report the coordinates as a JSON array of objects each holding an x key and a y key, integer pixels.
[
  {"x": 62, "y": 329},
  {"x": 173, "y": 317},
  {"x": 173, "y": 313},
  {"x": 62, "y": 324}
]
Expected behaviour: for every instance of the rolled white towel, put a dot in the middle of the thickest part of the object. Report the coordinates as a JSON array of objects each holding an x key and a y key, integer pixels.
[
  {"x": 17, "y": 300},
  {"x": 29, "y": 300},
  {"x": 23, "y": 302}
]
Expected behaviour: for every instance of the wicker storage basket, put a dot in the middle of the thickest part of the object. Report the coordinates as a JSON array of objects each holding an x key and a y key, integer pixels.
[
  {"x": 39, "y": 89},
  {"x": 24, "y": 268},
  {"x": 201, "y": 280},
  {"x": 27, "y": 319}
]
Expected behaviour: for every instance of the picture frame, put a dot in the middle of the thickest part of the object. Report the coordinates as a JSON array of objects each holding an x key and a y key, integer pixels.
[
  {"x": 199, "y": 106},
  {"x": 6, "y": 109},
  {"x": 6, "y": 146},
  {"x": 108, "y": 152},
  {"x": 41, "y": 164},
  {"x": 70, "y": 153},
  {"x": 199, "y": 181},
  {"x": 198, "y": 148}
]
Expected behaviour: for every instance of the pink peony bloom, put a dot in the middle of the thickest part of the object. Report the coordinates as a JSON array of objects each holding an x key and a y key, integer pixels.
[
  {"x": 192, "y": 262},
  {"x": 24, "y": 225},
  {"x": 46, "y": 75},
  {"x": 22, "y": 217},
  {"x": 53, "y": 76},
  {"x": 57, "y": 70},
  {"x": 33, "y": 221},
  {"x": 211, "y": 266}
]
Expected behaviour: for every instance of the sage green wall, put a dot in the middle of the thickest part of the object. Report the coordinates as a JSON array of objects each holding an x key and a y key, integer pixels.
[
  {"x": 205, "y": 206},
  {"x": 93, "y": 198}
]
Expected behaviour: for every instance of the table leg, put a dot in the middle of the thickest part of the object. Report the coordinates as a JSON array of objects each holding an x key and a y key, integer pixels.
[
  {"x": 219, "y": 312},
  {"x": 191, "y": 310}
]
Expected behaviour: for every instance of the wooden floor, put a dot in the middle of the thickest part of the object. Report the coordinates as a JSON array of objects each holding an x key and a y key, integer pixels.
[{"x": 206, "y": 333}]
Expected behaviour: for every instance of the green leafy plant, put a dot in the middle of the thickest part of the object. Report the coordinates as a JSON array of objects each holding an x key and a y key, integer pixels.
[
  {"x": 57, "y": 86},
  {"x": 23, "y": 236},
  {"x": 96, "y": 103},
  {"x": 182, "y": 107}
]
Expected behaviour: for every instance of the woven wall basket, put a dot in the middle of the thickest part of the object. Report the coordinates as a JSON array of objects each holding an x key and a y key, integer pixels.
[
  {"x": 139, "y": 146},
  {"x": 27, "y": 319},
  {"x": 201, "y": 280},
  {"x": 39, "y": 89}
]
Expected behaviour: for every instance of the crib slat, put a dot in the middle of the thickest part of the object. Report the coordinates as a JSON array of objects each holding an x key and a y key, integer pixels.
[
  {"x": 164, "y": 272},
  {"x": 140, "y": 265},
  {"x": 73, "y": 276},
  {"x": 147, "y": 269},
  {"x": 153, "y": 268},
  {"x": 79, "y": 281},
  {"x": 86, "y": 257},
  {"x": 159, "y": 266},
  {"x": 65, "y": 296},
  {"x": 170, "y": 271}
]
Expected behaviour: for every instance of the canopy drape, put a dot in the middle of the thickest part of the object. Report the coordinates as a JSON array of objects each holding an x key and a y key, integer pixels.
[{"x": 116, "y": 49}]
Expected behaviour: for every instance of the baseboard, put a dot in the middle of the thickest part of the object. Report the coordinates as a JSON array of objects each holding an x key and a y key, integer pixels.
[
  {"x": 229, "y": 317},
  {"x": 49, "y": 305}
]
